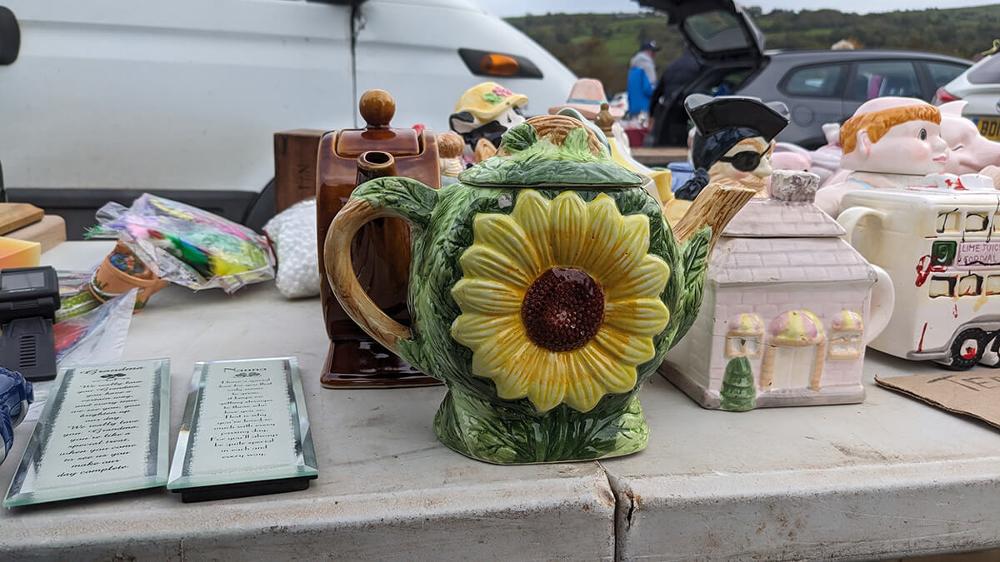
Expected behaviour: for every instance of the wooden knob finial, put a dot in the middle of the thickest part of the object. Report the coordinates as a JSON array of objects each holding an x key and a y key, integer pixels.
[
  {"x": 604, "y": 119},
  {"x": 377, "y": 108}
]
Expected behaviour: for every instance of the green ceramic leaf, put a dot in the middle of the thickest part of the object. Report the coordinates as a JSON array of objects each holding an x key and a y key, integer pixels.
[
  {"x": 576, "y": 146},
  {"x": 518, "y": 138},
  {"x": 537, "y": 162},
  {"x": 695, "y": 269},
  {"x": 414, "y": 200}
]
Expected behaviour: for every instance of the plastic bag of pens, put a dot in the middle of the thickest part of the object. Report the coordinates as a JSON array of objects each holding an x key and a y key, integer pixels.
[{"x": 186, "y": 245}]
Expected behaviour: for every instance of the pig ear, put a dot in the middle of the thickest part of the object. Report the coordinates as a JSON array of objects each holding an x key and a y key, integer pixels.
[
  {"x": 864, "y": 143},
  {"x": 953, "y": 108}
]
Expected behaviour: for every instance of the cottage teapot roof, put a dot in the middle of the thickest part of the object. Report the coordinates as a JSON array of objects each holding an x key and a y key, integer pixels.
[
  {"x": 786, "y": 238},
  {"x": 788, "y": 211}
]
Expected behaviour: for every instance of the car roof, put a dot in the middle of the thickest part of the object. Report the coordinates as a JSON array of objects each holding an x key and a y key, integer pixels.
[{"x": 822, "y": 55}]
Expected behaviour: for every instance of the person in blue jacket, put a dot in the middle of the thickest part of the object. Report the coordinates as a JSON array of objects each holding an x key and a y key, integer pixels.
[{"x": 641, "y": 78}]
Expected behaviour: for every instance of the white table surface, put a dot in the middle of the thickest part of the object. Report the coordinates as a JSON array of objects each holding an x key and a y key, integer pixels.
[{"x": 889, "y": 477}]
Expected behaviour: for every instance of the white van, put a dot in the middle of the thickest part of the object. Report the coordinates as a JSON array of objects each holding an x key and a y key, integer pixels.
[
  {"x": 105, "y": 99},
  {"x": 941, "y": 247}
]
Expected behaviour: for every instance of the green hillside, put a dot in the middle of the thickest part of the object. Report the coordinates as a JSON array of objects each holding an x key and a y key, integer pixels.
[{"x": 600, "y": 45}]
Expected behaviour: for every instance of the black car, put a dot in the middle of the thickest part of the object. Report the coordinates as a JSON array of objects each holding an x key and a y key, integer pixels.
[{"x": 818, "y": 87}]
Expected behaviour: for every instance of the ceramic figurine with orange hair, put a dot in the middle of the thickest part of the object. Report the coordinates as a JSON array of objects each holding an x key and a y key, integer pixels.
[
  {"x": 450, "y": 149},
  {"x": 890, "y": 142}
]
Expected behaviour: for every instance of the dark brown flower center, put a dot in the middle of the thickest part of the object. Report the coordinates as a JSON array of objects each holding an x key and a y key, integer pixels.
[{"x": 563, "y": 309}]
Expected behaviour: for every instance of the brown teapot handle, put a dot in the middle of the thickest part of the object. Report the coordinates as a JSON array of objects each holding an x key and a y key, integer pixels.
[{"x": 340, "y": 271}]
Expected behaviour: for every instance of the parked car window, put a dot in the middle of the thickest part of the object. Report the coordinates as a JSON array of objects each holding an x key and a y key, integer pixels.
[
  {"x": 886, "y": 78},
  {"x": 814, "y": 81},
  {"x": 716, "y": 31},
  {"x": 986, "y": 72},
  {"x": 944, "y": 72}
]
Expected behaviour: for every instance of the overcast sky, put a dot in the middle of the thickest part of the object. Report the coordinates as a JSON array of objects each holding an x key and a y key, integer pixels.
[{"x": 506, "y": 8}]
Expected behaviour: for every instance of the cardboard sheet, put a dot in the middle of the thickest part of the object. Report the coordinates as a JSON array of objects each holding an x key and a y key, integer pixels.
[{"x": 974, "y": 393}]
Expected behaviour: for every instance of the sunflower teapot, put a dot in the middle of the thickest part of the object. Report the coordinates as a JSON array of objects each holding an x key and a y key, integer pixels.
[{"x": 545, "y": 288}]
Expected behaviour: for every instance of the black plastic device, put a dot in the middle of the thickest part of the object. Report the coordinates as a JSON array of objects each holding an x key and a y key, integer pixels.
[{"x": 29, "y": 299}]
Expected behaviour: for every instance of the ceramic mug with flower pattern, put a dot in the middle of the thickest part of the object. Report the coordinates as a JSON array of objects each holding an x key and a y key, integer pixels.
[{"x": 545, "y": 288}]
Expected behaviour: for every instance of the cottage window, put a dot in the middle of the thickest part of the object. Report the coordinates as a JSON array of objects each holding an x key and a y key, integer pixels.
[
  {"x": 942, "y": 286},
  {"x": 743, "y": 346},
  {"x": 947, "y": 221},
  {"x": 744, "y": 335},
  {"x": 969, "y": 285},
  {"x": 846, "y": 341},
  {"x": 993, "y": 285},
  {"x": 845, "y": 345},
  {"x": 976, "y": 222}
]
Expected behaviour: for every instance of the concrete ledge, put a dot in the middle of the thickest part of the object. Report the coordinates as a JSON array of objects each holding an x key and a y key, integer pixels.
[{"x": 858, "y": 513}]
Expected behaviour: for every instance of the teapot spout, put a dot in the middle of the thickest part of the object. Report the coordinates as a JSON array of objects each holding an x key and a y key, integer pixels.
[{"x": 715, "y": 206}]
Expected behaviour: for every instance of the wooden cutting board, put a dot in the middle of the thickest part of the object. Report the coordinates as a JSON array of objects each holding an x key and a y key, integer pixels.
[
  {"x": 49, "y": 232},
  {"x": 18, "y": 215}
]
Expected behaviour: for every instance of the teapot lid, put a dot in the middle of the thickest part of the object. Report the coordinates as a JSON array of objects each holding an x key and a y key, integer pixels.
[{"x": 550, "y": 150}]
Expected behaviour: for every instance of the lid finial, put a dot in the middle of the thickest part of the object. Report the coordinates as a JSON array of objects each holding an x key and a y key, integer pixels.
[
  {"x": 604, "y": 118},
  {"x": 794, "y": 186},
  {"x": 377, "y": 108}
]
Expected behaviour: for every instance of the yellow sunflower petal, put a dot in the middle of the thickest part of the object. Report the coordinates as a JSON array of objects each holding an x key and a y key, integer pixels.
[
  {"x": 549, "y": 385},
  {"x": 473, "y": 330},
  {"x": 503, "y": 234},
  {"x": 568, "y": 222},
  {"x": 647, "y": 280},
  {"x": 495, "y": 358},
  {"x": 584, "y": 392},
  {"x": 632, "y": 247},
  {"x": 637, "y": 317},
  {"x": 615, "y": 376},
  {"x": 487, "y": 297},
  {"x": 531, "y": 211},
  {"x": 488, "y": 263},
  {"x": 603, "y": 231},
  {"x": 514, "y": 382},
  {"x": 624, "y": 348}
]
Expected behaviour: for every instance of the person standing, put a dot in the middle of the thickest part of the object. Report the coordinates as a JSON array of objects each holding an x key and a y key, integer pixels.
[
  {"x": 670, "y": 125},
  {"x": 641, "y": 77}
]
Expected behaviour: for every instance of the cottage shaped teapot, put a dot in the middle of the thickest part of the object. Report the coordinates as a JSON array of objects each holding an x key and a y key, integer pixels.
[{"x": 545, "y": 288}]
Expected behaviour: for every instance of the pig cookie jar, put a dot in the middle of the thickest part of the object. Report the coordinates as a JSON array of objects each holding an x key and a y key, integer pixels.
[
  {"x": 381, "y": 250},
  {"x": 545, "y": 287}
]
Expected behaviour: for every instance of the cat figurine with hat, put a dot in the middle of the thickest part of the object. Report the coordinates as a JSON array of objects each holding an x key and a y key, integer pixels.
[{"x": 733, "y": 141}]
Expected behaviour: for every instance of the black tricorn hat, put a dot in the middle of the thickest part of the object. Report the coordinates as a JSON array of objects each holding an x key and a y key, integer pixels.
[
  {"x": 725, "y": 112},
  {"x": 723, "y": 121}
]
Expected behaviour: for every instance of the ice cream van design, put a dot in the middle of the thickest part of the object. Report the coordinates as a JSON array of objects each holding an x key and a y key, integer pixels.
[{"x": 940, "y": 244}]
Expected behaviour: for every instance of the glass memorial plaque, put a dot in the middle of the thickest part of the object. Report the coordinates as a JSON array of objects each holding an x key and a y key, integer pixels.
[
  {"x": 245, "y": 432},
  {"x": 104, "y": 429}
]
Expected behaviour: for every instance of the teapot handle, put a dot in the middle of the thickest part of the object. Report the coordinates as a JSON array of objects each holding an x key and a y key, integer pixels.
[
  {"x": 391, "y": 197},
  {"x": 852, "y": 216}
]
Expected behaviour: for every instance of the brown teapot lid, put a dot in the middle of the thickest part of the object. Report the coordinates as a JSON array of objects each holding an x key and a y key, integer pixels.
[{"x": 377, "y": 108}]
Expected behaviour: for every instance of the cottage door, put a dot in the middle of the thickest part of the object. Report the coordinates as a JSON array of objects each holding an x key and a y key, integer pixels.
[{"x": 792, "y": 366}]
